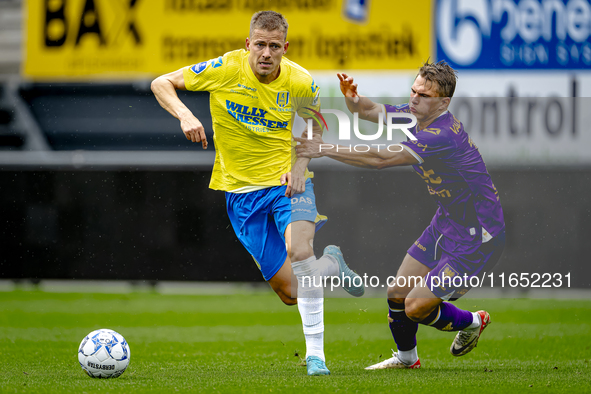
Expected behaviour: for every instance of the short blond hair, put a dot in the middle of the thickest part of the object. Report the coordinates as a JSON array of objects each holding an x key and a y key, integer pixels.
[{"x": 270, "y": 21}]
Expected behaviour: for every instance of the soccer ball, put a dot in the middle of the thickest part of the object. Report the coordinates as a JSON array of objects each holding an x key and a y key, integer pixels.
[{"x": 104, "y": 353}]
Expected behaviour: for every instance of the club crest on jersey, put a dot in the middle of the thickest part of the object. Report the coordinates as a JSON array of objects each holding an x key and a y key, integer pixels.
[
  {"x": 282, "y": 99},
  {"x": 448, "y": 271},
  {"x": 447, "y": 274},
  {"x": 199, "y": 67}
]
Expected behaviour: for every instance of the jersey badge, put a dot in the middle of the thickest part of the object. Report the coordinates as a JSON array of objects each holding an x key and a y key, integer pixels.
[
  {"x": 446, "y": 275},
  {"x": 316, "y": 98},
  {"x": 282, "y": 99},
  {"x": 199, "y": 67}
]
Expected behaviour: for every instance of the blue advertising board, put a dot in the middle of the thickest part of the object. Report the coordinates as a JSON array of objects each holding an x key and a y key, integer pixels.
[{"x": 514, "y": 34}]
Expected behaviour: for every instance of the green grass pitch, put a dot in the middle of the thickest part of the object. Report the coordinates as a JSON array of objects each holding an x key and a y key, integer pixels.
[{"x": 253, "y": 343}]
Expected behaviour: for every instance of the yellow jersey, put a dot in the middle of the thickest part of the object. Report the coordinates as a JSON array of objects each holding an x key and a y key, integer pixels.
[{"x": 252, "y": 121}]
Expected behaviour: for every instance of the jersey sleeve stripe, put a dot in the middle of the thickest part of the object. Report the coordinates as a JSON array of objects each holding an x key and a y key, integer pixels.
[{"x": 415, "y": 154}]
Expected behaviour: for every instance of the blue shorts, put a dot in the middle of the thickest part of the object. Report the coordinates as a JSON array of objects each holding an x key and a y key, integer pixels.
[
  {"x": 303, "y": 207},
  {"x": 260, "y": 218},
  {"x": 448, "y": 259}
]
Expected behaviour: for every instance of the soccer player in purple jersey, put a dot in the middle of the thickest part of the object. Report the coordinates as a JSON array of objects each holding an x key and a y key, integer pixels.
[{"x": 467, "y": 234}]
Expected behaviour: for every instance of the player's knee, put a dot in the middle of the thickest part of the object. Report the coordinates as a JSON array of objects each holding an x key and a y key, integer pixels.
[
  {"x": 396, "y": 300},
  {"x": 284, "y": 294},
  {"x": 299, "y": 252},
  {"x": 415, "y": 310},
  {"x": 398, "y": 293},
  {"x": 287, "y": 300}
]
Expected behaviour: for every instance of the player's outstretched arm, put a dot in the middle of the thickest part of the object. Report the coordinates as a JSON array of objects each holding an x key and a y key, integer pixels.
[
  {"x": 375, "y": 158},
  {"x": 164, "y": 88},
  {"x": 367, "y": 109}
]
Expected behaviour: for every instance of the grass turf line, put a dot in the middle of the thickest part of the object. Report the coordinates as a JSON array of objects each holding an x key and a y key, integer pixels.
[{"x": 255, "y": 344}]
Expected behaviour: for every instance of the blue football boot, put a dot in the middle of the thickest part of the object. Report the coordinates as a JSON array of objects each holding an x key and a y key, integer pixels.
[
  {"x": 348, "y": 277},
  {"x": 316, "y": 366}
]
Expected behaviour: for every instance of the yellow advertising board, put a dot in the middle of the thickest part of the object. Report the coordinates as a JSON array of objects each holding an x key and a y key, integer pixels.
[{"x": 82, "y": 39}]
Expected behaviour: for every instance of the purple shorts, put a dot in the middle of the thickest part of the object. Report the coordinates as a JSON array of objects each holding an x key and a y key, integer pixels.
[{"x": 448, "y": 259}]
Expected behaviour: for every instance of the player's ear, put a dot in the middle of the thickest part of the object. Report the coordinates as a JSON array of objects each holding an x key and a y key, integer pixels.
[
  {"x": 445, "y": 102},
  {"x": 247, "y": 44},
  {"x": 285, "y": 47}
]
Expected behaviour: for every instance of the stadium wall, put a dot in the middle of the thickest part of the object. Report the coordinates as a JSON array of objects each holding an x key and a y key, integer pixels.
[
  {"x": 167, "y": 225},
  {"x": 98, "y": 182}
]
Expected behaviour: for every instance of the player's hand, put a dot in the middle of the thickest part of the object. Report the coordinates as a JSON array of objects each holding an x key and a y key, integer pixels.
[
  {"x": 193, "y": 130},
  {"x": 286, "y": 179},
  {"x": 296, "y": 183},
  {"x": 309, "y": 148},
  {"x": 348, "y": 88}
]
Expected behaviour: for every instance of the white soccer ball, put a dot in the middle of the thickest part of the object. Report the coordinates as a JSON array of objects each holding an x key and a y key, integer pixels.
[{"x": 104, "y": 353}]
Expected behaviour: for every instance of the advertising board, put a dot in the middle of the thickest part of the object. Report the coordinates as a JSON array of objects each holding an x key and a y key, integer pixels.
[
  {"x": 514, "y": 34},
  {"x": 82, "y": 39}
]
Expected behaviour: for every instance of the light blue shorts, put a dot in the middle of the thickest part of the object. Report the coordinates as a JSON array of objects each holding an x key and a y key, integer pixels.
[{"x": 260, "y": 218}]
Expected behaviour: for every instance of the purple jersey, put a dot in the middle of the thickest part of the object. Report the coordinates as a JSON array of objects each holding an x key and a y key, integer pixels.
[{"x": 457, "y": 178}]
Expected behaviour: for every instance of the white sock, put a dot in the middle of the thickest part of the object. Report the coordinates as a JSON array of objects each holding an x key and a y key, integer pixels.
[
  {"x": 327, "y": 266},
  {"x": 311, "y": 305},
  {"x": 315, "y": 345},
  {"x": 408, "y": 357},
  {"x": 304, "y": 268},
  {"x": 311, "y": 310},
  {"x": 475, "y": 322},
  {"x": 324, "y": 266}
]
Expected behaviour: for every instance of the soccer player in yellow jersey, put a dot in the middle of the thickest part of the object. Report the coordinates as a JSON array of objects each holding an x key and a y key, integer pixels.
[{"x": 254, "y": 96}]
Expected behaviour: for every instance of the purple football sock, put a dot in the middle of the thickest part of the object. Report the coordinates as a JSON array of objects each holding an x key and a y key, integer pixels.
[
  {"x": 447, "y": 317},
  {"x": 403, "y": 329}
]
